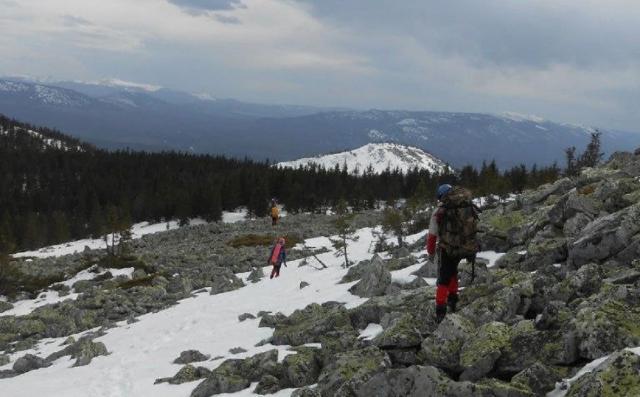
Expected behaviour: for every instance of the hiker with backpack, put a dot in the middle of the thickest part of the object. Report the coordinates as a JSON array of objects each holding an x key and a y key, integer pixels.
[
  {"x": 452, "y": 236},
  {"x": 278, "y": 257},
  {"x": 275, "y": 213}
]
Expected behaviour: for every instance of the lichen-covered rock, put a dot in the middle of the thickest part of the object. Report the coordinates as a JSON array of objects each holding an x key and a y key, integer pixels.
[
  {"x": 349, "y": 371},
  {"x": 29, "y": 362},
  {"x": 356, "y": 271},
  {"x": 268, "y": 384},
  {"x": 191, "y": 356},
  {"x": 619, "y": 375},
  {"x": 4, "y": 359},
  {"x": 302, "y": 368},
  {"x": 442, "y": 348},
  {"x": 86, "y": 350},
  {"x": 401, "y": 333},
  {"x": 188, "y": 373},
  {"x": 415, "y": 381},
  {"x": 375, "y": 280},
  {"x": 611, "y": 325},
  {"x": 538, "y": 378},
  {"x": 221, "y": 380},
  {"x": 269, "y": 320},
  {"x": 479, "y": 353},
  {"x": 237, "y": 350},
  {"x": 224, "y": 281},
  {"x": 306, "y": 392},
  {"x": 310, "y": 324},
  {"x": 4, "y": 306}
]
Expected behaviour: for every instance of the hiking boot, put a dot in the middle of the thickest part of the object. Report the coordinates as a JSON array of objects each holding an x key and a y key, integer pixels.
[
  {"x": 452, "y": 301},
  {"x": 441, "y": 312}
]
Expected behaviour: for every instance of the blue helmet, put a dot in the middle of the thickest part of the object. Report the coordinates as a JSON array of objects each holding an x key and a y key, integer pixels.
[{"x": 443, "y": 190}]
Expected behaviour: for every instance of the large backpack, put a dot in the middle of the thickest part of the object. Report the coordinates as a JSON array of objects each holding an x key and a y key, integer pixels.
[{"x": 459, "y": 224}]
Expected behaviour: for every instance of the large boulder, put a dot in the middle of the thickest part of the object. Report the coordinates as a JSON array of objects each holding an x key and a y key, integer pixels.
[
  {"x": 191, "y": 356},
  {"x": 416, "y": 381},
  {"x": 302, "y": 368},
  {"x": 538, "y": 378},
  {"x": 619, "y": 375},
  {"x": 312, "y": 323},
  {"x": 188, "y": 373},
  {"x": 442, "y": 348},
  {"x": 375, "y": 280},
  {"x": 349, "y": 371},
  {"x": 29, "y": 362},
  {"x": 480, "y": 353},
  {"x": 606, "y": 327},
  {"x": 225, "y": 280},
  {"x": 605, "y": 237}
]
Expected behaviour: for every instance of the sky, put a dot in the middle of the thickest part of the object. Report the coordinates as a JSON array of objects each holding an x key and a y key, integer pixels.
[{"x": 573, "y": 61}]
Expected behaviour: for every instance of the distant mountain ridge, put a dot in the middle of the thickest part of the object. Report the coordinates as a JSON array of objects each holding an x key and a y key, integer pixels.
[
  {"x": 377, "y": 157},
  {"x": 122, "y": 114}
]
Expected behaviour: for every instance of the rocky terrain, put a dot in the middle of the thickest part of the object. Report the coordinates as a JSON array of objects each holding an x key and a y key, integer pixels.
[{"x": 565, "y": 295}]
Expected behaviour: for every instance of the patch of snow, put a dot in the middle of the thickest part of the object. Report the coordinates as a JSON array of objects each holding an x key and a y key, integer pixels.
[
  {"x": 491, "y": 256},
  {"x": 143, "y": 351},
  {"x": 371, "y": 331},
  {"x": 513, "y": 116}
]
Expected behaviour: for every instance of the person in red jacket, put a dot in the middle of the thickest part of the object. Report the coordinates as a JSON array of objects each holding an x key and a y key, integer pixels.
[
  {"x": 447, "y": 283},
  {"x": 277, "y": 257}
]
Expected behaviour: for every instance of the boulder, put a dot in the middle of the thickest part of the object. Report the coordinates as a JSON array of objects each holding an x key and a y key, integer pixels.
[
  {"x": 191, "y": 356},
  {"x": 606, "y": 327},
  {"x": 538, "y": 378},
  {"x": 306, "y": 392},
  {"x": 479, "y": 354},
  {"x": 237, "y": 350},
  {"x": 375, "y": 280},
  {"x": 29, "y": 362},
  {"x": 4, "y": 306},
  {"x": 302, "y": 368},
  {"x": 188, "y": 373},
  {"x": 246, "y": 316},
  {"x": 442, "y": 348},
  {"x": 356, "y": 271},
  {"x": 4, "y": 359},
  {"x": 415, "y": 381},
  {"x": 256, "y": 275},
  {"x": 225, "y": 281},
  {"x": 619, "y": 375},
  {"x": 86, "y": 350},
  {"x": 312, "y": 323},
  {"x": 350, "y": 370},
  {"x": 268, "y": 384},
  {"x": 303, "y": 284}
]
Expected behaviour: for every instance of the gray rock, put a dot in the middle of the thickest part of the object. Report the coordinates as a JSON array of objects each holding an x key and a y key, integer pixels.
[
  {"x": 246, "y": 316},
  {"x": 356, "y": 271},
  {"x": 86, "y": 350},
  {"x": 303, "y": 284},
  {"x": 306, "y": 392},
  {"x": 188, "y": 373},
  {"x": 616, "y": 376},
  {"x": 302, "y": 368},
  {"x": 374, "y": 282},
  {"x": 428, "y": 270},
  {"x": 538, "y": 378},
  {"x": 442, "y": 348},
  {"x": 138, "y": 274},
  {"x": 237, "y": 350},
  {"x": 8, "y": 373},
  {"x": 349, "y": 371},
  {"x": 4, "y": 306},
  {"x": 270, "y": 320},
  {"x": 225, "y": 281},
  {"x": 480, "y": 353},
  {"x": 268, "y": 384},
  {"x": 256, "y": 275},
  {"x": 312, "y": 324},
  {"x": 191, "y": 356},
  {"x": 416, "y": 381},
  {"x": 4, "y": 359},
  {"x": 29, "y": 362}
]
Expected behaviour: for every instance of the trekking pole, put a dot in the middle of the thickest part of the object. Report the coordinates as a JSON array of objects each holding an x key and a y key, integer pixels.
[{"x": 473, "y": 269}]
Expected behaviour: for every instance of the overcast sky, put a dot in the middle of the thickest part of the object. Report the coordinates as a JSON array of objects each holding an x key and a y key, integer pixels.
[{"x": 567, "y": 60}]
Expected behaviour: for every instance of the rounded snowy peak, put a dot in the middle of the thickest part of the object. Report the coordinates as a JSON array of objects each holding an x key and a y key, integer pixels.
[{"x": 378, "y": 157}]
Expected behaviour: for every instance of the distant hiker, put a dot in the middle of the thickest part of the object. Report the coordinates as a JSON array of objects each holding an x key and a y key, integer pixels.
[
  {"x": 452, "y": 230},
  {"x": 278, "y": 257},
  {"x": 275, "y": 213}
]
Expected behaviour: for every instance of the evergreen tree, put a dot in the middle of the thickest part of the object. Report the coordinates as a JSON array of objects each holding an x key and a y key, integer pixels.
[
  {"x": 393, "y": 222},
  {"x": 345, "y": 229}
]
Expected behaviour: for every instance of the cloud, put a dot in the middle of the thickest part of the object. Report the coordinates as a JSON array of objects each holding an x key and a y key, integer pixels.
[{"x": 572, "y": 60}]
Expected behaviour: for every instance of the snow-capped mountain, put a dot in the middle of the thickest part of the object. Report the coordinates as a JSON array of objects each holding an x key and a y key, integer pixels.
[
  {"x": 378, "y": 156},
  {"x": 120, "y": 114}
]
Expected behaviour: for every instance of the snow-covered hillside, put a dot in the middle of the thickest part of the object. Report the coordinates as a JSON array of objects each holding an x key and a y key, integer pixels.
[{"x": 379, "y": 156}]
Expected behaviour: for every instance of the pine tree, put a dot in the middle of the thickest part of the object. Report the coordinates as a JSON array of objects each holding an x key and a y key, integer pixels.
[
  {"x": 393, "y": 222},
  {"x": 345, "y": 229}
]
